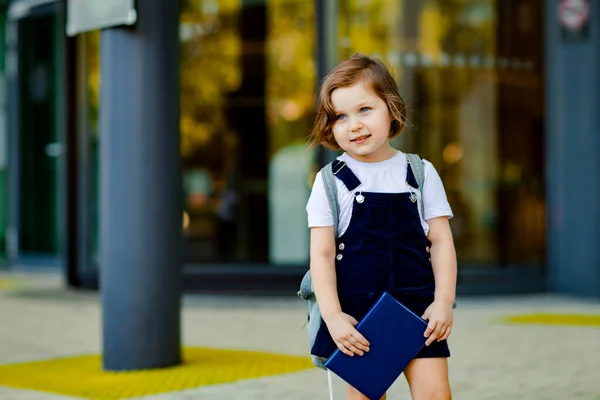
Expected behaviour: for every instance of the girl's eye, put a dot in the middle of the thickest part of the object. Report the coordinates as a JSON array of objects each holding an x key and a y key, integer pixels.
[
  {"x": 340, "y": 117},
  {"x": 365, "y": 109}
]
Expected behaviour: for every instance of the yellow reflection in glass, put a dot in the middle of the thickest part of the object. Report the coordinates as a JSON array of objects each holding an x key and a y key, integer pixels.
[
  {"x": 453, "y": 153},
  {"x": 209, "y": 68},
  {"x": 291, "y": 71},
  {"x": 92, "y": 54}
]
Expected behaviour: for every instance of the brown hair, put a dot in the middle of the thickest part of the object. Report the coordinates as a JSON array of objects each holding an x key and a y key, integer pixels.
[{"x": 350, "y": 71}]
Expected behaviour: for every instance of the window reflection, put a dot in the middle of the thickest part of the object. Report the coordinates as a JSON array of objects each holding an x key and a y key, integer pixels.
[
  {"x": 247, "y": 93},
  {"x": 93, "y": 61},
  {"x": 247, "y": 82},
  {"x": 290, "y": 92},
  {"x": 209, "y": 69},
  {"x": 471, "y": 73},
  {"x": 89, "y": 43}
]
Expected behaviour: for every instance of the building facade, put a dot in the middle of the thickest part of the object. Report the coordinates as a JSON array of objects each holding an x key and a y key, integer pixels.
[{"x": 485, "y": 82}]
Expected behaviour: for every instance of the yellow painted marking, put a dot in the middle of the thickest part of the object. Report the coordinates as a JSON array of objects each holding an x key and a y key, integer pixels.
[
  {"x": 6, "y": 284},
  {"x": 556, "y": 319},
  {"x": 83, "y": 376}
]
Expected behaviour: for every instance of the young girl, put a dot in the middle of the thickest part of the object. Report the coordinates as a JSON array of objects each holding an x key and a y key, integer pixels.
[{"x": 384, "y": 243}]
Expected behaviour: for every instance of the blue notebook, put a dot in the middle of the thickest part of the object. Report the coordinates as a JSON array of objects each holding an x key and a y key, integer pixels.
[{"x": 396, "y": 336}]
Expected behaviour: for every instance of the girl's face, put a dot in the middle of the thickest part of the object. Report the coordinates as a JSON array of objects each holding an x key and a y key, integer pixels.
[{"x": 362, "y": 124}]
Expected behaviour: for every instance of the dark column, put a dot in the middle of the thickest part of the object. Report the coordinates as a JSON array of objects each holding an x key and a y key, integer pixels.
[
  {"x": 573, "y": 156},
  {"x": 247, "y": 115},
  {"x": 520, "y": 139},
  {"x": 140, "y": 189}
]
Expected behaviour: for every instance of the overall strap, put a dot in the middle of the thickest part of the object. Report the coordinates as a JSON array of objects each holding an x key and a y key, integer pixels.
[
  {"x": 337, "y": 168},
  {"x": 345, "y": 174},
  {"x": 415, "y": 175}
]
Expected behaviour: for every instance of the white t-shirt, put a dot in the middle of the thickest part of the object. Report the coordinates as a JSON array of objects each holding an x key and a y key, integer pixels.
[{"x": 387, "y": 176}]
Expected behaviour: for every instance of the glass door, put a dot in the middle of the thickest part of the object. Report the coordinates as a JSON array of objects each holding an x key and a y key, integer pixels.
[
  {"x": 247, "y": 86},
  {"x": 88, "y": 111},
  {"x": 36, "y": 135},
  {"x": 472, "y": 74}
]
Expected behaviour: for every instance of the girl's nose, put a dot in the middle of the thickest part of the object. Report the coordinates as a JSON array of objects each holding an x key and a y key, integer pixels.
[{"x": 355, "y": 125}]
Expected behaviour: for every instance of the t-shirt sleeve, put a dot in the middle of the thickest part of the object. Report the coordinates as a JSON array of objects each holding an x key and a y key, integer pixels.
[
  {"x": 317, "y": 208},
  {"x": 435, "y": 202}
]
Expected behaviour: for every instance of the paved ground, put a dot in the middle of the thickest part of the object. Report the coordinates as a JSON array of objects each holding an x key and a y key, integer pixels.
[{"x": 491, "y": 359}]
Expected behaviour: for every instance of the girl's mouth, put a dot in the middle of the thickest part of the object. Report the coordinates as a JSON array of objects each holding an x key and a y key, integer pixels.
[{"x": 360, "y": 139}]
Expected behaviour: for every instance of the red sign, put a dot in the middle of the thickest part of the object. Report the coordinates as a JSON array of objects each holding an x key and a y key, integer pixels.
[{"x": 574, "y": 14}]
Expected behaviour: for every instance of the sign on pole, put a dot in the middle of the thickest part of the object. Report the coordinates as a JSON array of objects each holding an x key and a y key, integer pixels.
[
  {"x": 88, "y": 15},
  {"x": 574, "y": 16}
]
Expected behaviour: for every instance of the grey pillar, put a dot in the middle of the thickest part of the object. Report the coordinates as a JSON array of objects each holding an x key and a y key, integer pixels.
[
  {"x": 140, "y": 189},
  {"x": 573, "y": 156},
  {"x": 326, "y": 12},
  {"x": 327, "y": 54}
]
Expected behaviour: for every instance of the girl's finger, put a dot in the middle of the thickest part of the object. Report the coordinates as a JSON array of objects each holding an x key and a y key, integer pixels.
[
  {"x": 434, "y": 335},
  {"x": 353, "y": 348},
  {"x": 360, "y": 338},
  {"x": 447, "y": 334},
  {"x": 443, "y": 331},
  {"x": 359, "y": 345},
  {"x": 430, "y": 328},
  {"x": 344, "y": 350}
]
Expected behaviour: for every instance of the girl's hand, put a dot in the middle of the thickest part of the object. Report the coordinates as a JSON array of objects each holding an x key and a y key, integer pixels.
[
  {"x": 342, "y": 329},
  {"x": 439, "y": 316}
]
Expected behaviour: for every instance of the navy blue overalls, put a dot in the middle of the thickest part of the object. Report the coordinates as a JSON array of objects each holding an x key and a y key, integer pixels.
[{"x": 384, "y": 248}]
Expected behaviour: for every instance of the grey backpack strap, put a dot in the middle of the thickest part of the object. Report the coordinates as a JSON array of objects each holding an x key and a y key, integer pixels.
[
  {"x": 416, "y": 164},
  {"x": 418, "y": 169},
  {"x": 331, "y": 190},
  {"x": 306, "y": 291}
]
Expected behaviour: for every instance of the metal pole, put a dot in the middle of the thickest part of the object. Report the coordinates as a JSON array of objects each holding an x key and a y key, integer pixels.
[
  {"x": 140, "y": 186},
  {"x": 572, "y": 79},
  {"x": 327, "y": 54}
]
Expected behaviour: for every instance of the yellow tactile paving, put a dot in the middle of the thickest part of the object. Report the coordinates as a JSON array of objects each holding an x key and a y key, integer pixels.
[
  {"x": 556, "y": 319},
  {"x": 83, "y": 376},
  {"x": 6, "y": 284}
]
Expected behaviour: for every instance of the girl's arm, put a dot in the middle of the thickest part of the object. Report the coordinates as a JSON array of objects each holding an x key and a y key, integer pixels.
[
  {"x": 443, "y": 261},
  {"x": 322, "y": 269},
  {"x": 341, "y": 326}
]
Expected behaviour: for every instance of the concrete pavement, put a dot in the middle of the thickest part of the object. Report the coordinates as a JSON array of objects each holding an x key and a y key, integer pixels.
[{"x": 491, "y": 359}]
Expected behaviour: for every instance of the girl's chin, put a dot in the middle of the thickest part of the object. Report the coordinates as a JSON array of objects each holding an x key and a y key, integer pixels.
[{"x": 368, "y": 154}]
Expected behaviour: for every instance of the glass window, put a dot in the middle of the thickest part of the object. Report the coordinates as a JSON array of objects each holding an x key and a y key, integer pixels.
[
  {"x": 472, "y": 75},
  {"x": 40, "y": 147},
  {"x": 88, "y": 129},
  {"x": 92, "y": 61},
  {"x": 247, "y": 81},
  {"x": 247, "y": 98}
]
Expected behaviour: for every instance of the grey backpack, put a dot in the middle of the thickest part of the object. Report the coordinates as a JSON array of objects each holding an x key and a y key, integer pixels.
[{"x": 306, "y": 291}]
